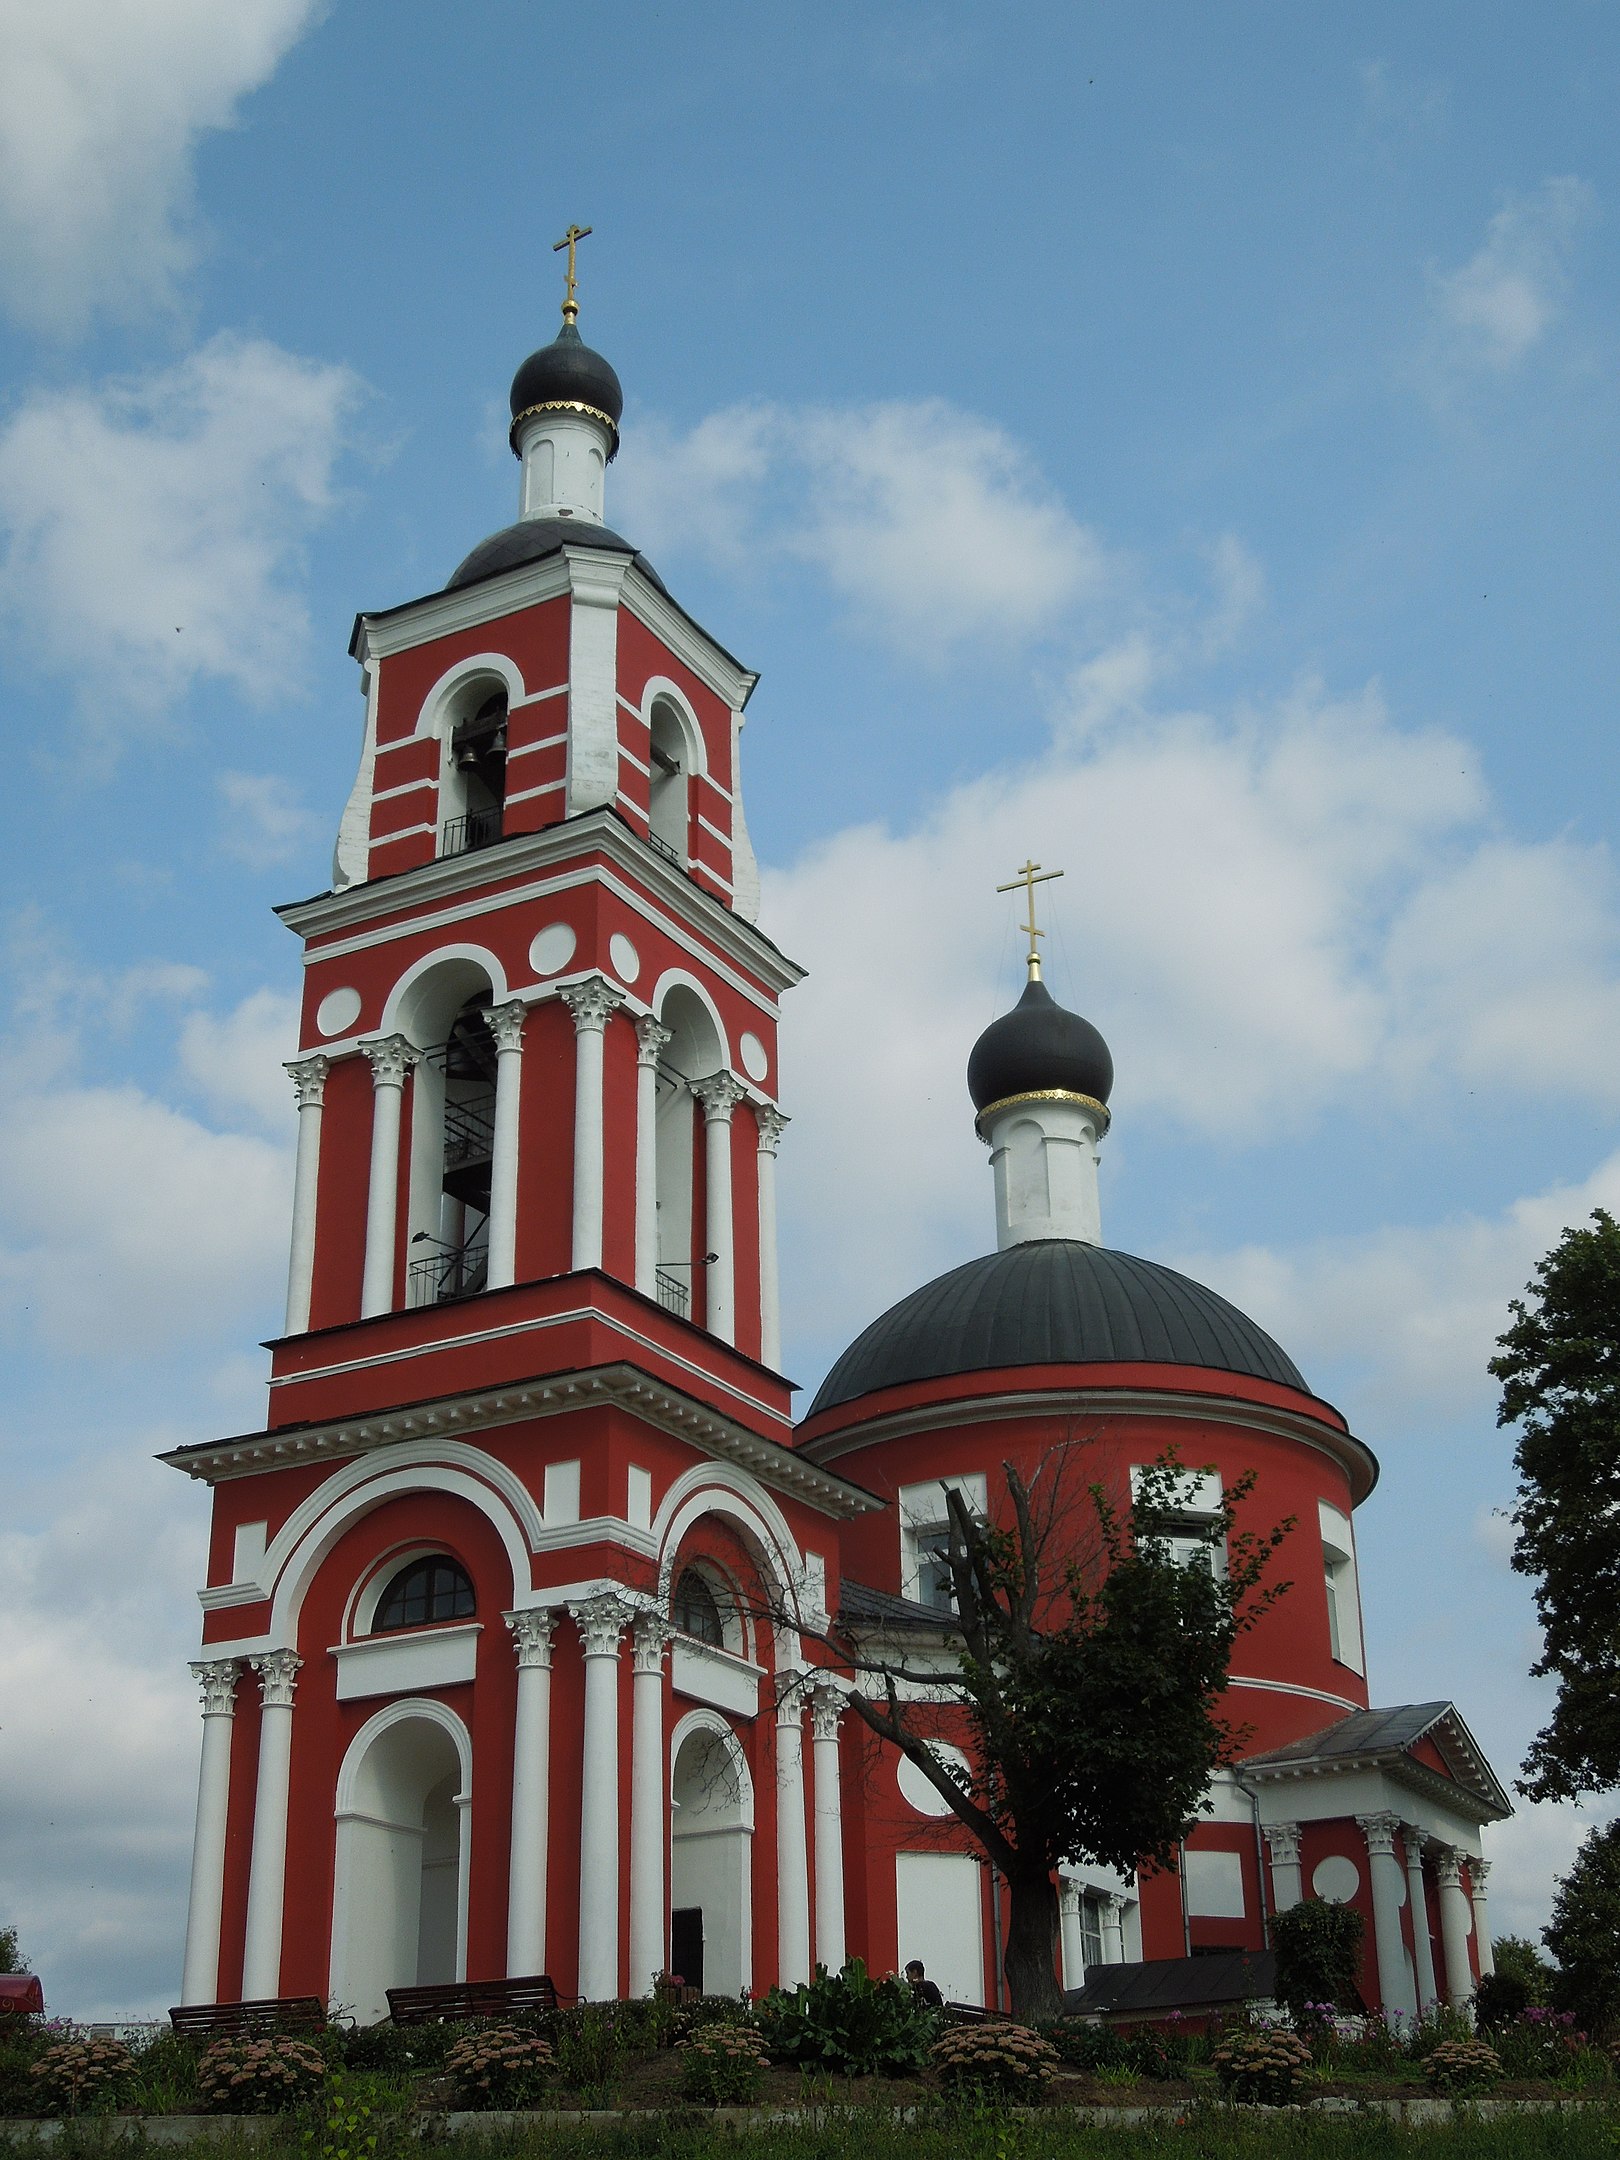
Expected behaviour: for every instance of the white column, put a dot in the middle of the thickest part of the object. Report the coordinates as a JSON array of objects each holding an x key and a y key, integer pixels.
[
  {"x": 1287, "y": 1882},
  {"x": 650, "y": 1043},
  {"x": 531, "y": 1794},
  {"x": 792, "y": 1863},
  {"x": 649, "y": 1810},
  {"x": 1070, "y": 1934},
  {"x": 1418, "y": 1905},
  {"x": 1388, "y": 1888},
  {"x": 1113, "y": 1928},
  {"x": 719, "y": 1095},
  {"x": 506, "y": 1025},
  {"x": 1484, "y": 1956},
  {"x": 826, "y": 1708},
  {"x": 309, "y": 1079},
  {"x": 1456, "y": 1918},
  {"x": 200, "y": 1980},
  {"x": 772, "y": 1123},
  {"x": 600, "y": 1621},
  {"x": 267, "y": 1869},
  {"x": 591, "y": 1002},
  {"x": 391, "y": 1059}
]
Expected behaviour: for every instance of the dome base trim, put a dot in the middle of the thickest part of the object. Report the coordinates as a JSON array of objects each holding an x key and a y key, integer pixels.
[
  {"x": 1032, "y": 1095},
  {"x": 573, "y": 405}
]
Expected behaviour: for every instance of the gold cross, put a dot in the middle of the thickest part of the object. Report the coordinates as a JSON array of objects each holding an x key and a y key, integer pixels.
[
  {"x": 1029, "y": 877},
  {"x": 570, "y": 240}
]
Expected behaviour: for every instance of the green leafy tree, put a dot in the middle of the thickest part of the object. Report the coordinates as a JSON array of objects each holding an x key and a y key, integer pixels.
[
  {"x": 1516, "y": 1958},
  {"x": 1559, "y": 1366},
  {"x": 1318, "y": 1946},
  {"x": 1094, "y": 1655},
  {"x": 1584, "y": 1933},
  {"x": 11, "y": 1957}
]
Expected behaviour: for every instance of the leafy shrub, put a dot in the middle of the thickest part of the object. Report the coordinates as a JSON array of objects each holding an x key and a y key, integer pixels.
[
  {"x": 22, "y": 2041},
  {"x": 849, "y": 2023},
  {"x": 258, "y": 2077},
  {"x": 499, "y": 2067},
  {"x": 1438, "y": 2025},
  {"x": 1150, "y": 2051},
  {"x": 691, "y": 2017},
  {"x": 1517, "y": 1959},
  {"x": 165, "y": 2075},
  {"x": 1318, "y": 1946},
  {"x": 723, "y": 2065},
  {"x": 1538, "y": 2044},
  {"x": 1261, "y": 2066},
  {"x": 76, "y": 2077},
  {"x": 994, "y": 2058},
  {"x": 1462, "y": 2066},
  {"x": 590, "y": 2043}
]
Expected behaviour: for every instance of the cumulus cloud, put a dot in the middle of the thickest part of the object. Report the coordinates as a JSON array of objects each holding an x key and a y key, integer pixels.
[
  {"x": 1498, "y": 306},
  {"x": 235, "y": 1060},
  {"x": 152, "y": 529},
  {"x": 102, "y": 103},
  {"x": 265, "y": 821},
  {"x": 931, "y": 525}
]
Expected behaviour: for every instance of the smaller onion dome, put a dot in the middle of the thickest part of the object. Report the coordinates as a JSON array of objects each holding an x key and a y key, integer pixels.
[
  {"x": 1039, "y": 1048},
  {"x": 567, "y": 376}
]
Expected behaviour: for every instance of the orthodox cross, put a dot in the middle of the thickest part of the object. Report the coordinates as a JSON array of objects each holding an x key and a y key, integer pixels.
[
  {"x": 1029, "y": 877},
  {"x": 570, "y": 240}
]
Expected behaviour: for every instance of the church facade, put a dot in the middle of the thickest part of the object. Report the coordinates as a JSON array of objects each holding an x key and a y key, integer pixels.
[{"x": 521, "y": 1633}]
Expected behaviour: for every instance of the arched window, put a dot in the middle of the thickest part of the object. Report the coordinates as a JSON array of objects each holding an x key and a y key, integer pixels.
[
  {"x": 668, "y": 809},
  {"x": 696, "y": 1610},
  {"x": 436, "y": 1588},
  {"x": 473, "y": 790}
]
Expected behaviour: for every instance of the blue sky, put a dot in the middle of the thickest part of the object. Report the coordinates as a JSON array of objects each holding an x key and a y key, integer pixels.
[{"x": 1179, "y": 442}]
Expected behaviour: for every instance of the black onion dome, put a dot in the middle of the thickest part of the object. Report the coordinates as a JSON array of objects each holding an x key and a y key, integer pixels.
[
  {"x": 532, "y": 539},
  {"x": 567, "y": 372},
  {"x": 1054, "y": 1301},
  {"x": 1039, "y": 1045}
]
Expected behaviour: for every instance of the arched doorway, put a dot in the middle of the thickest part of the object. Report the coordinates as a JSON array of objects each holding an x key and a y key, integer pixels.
[
  {"x": 399, "y": 1894},
  {"x": 711, "y": 1873}
]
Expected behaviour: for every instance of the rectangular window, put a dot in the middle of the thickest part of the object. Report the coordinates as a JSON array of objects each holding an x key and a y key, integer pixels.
[
  {"x": 1091, "y": 1930},
  {"x": 1340, "y": 1586},
  {"x": 1188, "y": 1534},
  {"x": 925, "y": 1536}
]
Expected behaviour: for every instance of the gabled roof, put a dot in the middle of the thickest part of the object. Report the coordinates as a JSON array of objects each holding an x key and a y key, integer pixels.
[
  {"x": 1160, "y": 1985},
  {"x": 862, "y": 1608},
  {"x": 1384, "y": 1740}
]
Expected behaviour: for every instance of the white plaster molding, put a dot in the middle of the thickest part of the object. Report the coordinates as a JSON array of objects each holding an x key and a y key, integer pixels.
[
  {"x": 719, "y": 1093},
  {"x": 390, "y": 1058},
  {"x": 217, "y": 1678},
  {"x": 601, "y": 1621},
  {"x": 532, "y": 1632},
  {"x": 278, "y": 1677},
  {"x": 309, "y": 1077},
  {"x": 593, "y": 1002},
  {"x": 404, "y": 1663},
  {"x": 506, "y": 1023}
]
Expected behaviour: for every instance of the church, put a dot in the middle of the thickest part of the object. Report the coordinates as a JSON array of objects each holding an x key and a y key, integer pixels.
[{"x": 521, "y": 1634}]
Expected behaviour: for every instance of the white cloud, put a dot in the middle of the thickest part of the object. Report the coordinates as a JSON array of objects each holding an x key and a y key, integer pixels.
[
  {"x": 1495, "y": 309},
  {"x": 931, "y": 525},
  {"x": 265, "y": 822},
  {"x": 101, "y": 106},
  {"x": 236, "y": 1061},
  {"x": 152, "y": 528}
]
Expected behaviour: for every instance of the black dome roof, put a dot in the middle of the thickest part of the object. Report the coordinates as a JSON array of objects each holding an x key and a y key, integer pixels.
[
  {"x": 1039, "y": 1045},
  {"x": 1053, "y": 1301},
  {"x": 531, "y": 539},
  {"x": 567, "y": 372}
]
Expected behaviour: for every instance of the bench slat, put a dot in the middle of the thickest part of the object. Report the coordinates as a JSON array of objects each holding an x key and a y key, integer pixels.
[
  {"x": 451, "y": 2000},
  {"x": 279, "y": 2013}
]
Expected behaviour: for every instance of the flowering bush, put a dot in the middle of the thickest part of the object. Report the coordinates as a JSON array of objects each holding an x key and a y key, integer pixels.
[
  {"x": 499, "y": 2067},
  {"x": 723, "y": 2065},
  {"x": 1462, "y": 2066},
  {"x": 1008, "y": 2059},
  {"x": 258, "y": 2077},
  {"x": 76, "y": 2076},
  {"x": 1261, "y": 2067},
  {"x": 849, "y": 2023},
  {"x": 1539, "y": 2043}
]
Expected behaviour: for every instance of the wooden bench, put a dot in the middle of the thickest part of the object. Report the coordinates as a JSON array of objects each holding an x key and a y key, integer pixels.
[
  {"x": 452, "y": 2001},
  {"x": 225, "y": 2021}
]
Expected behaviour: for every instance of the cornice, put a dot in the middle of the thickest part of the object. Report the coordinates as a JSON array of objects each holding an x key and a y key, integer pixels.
[
  {"x": 619, "y": 1385},
  {"x": 1399, "y": 1767},
  {"x": 689, "y": 642},
  {"x": 463, "y": 877},
  {"x": 1352, "y": 1455}
]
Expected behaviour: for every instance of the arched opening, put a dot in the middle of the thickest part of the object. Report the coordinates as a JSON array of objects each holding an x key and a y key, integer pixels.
[
  {"x": 452, "y": 1134},
  {"x": 692, "y": 1053},
  {"x": 399, "y": 1890},
  {"x": 426, "y": 1592},
  {"x": 669, "y": 807},
  {"x": 711, "y": 1860},
  {"x": 472, "y": 779}
]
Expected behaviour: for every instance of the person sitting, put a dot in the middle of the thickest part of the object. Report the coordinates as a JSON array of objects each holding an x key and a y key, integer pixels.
[{"x": 926, "y": 1992}]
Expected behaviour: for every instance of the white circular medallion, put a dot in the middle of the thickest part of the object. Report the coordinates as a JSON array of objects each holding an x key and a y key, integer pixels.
[
  {"x": 626, "y": 960},
  {"x": 552, "y": 949},
  {"x": 339, "y": 1009},
  {"x": 1337, "y": 1879},
  {"x": 915, "y": 1789},
  {"x": 756, "y": 1062}
]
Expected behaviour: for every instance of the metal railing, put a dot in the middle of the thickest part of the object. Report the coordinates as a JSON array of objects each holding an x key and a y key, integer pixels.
[
  {"x": 462, "y": 835},
  {"x": 674, "y": 1295},
  {"x": 439, "y": 1277},
  {"x": 469, "y": 1132},
  {"x": 662, "y": 847}
]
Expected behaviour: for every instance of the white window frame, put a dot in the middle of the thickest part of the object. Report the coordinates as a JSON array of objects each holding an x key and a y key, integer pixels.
[
  {"x": 1342, "y": 1587},
  {"x": 924, "y": 1514}
]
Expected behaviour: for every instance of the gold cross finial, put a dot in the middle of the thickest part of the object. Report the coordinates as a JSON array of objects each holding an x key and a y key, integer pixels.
[
  {"x": 570, "y": 240},
  {"x": 1029, "y": 877}
]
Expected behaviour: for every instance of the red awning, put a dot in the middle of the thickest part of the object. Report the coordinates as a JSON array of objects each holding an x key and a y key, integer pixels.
[{"x": 20, "y": 1992}]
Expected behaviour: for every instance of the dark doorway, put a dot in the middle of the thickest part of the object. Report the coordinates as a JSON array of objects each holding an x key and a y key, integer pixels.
[{"x": 686, "y": 1944}]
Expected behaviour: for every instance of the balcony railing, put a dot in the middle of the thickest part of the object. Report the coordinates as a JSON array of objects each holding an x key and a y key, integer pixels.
[
  {"x": 469, "y": 1132},
  {"x": 478, "y": 829},
  {"x": 674, "y": 1295},
  {"x": 439, "y": 1277},
  {"x": 662, "y": 847}
]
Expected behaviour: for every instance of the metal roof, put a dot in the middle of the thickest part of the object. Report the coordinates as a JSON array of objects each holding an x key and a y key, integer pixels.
[{"x": 1159, "y": 1985}]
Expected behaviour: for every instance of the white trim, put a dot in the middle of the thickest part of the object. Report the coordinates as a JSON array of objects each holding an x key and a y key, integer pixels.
[
  {"x": 406, "y": 832},
  {"x": 710, "y": 1721},
  {"x": 723, "y": 837},
  {"x": 478, "y": 956},
  {"x": 434, "y": 709},
  {"x": 630, "y": 758},
  {"x": 539, "y": 697},
  {"x": 403, "y": 1661},
  {"x": 1289, "y": 1687},
  {"x": 724, "y": 793},
  {"x": 438, "y": 614},
  {"x": 662, "y": 688},
  {"x": 406, "y": 787},
  {"x": 678, "y": 979},
  {"x": 546, "y": 742},
  {"x": 551, "y": 787}
]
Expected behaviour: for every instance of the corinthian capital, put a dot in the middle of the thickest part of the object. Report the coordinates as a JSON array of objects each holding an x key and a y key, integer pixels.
[
  {"x": 826, "y": 1708},
  {"x": 772, "y": 1124},
  {"x": 391, "y": 1059},
  {"x": 309, "y": 1079},
  {"x": 1283, "y": 1838},
  {"x": 506, "y": 1023},
  {"x": 217, "y": 1679},
  {"x": 719, "y": 1094},
  {"x": 1478, "y": 1874},
  {"x": 592, "y": 1003},
  {"x": 601, "y": 1622},
  {"x": 531, "y": 1635},
  {"x": 278, "y": 1676},
  {"x": 651, "y": 1639},
  {"x": 652, "y": 1039},
  {"x": 1448, "y": 1867},
  {"x": 1380, "y": 1832}
]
